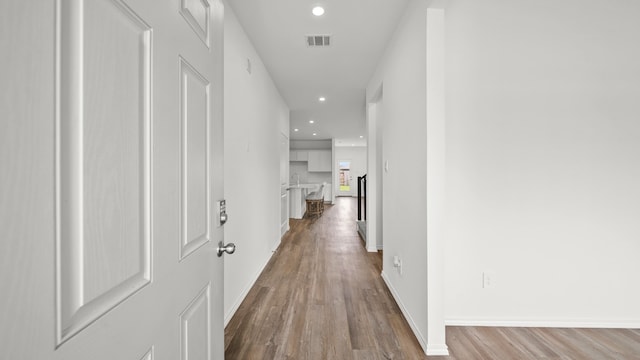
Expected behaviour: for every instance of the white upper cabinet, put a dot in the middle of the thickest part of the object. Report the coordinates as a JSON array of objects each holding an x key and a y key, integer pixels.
[
  {"x": 298, "y": 155},
  {"x": 319, "y": 160}
]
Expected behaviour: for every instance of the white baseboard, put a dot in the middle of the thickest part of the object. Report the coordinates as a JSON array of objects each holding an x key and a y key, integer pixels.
[
  {"x": 437, "y": 350},
  {"x": 412, "y": 324},
  {"x": 590, "y": 324},
  {"x": 275, "y": 246},
  {"x": 245, "y": 292},
  {"x": 375, "y": 248},
  {"x": 284, "y": 228}
]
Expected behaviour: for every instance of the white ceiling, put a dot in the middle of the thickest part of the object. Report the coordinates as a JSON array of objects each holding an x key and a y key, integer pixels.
[{"x": 360, "y": 30}]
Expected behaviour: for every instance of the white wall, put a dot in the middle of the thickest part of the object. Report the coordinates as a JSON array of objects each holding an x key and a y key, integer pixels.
[
  {"x": 255, "y": 116},
  {"x": 402, "y": 77},
  {"x": 357, "y": 155},
  {"x": 543, "y": 162}
]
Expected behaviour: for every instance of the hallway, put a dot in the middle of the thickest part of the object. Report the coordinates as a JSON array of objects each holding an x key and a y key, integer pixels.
[{"x": 321, "y": 297}]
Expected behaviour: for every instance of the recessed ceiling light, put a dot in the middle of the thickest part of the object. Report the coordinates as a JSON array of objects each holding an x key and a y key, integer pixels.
[
  {"x": 314, "y": 134},
  {"x": 296, "y": 130},
  {"x": 318, "y": 11},
  {"x": 361, "y": 137},
  {"x": 322, "y": 99},
  {"x": 311, "y": 121}
]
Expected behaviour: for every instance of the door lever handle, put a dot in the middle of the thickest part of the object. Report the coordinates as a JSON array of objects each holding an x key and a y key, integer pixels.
[{"x": 229, "y": 248}]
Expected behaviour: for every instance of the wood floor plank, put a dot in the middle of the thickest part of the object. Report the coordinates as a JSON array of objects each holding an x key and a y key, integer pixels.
[
  {"x": 529, "y": 343},
  {"x": 542, "y": 343},
  {"x": 406, "y": 340}
]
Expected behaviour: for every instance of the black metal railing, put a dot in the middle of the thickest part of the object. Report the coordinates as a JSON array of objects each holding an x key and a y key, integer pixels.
[{"x": 362, "y": 197}]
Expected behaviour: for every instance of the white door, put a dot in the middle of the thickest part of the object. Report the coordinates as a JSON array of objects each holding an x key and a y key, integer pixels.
[{"x": 110, "y": 169}]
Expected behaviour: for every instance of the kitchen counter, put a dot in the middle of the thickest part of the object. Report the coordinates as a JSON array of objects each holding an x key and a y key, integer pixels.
[{"x": 297, "y": 196}]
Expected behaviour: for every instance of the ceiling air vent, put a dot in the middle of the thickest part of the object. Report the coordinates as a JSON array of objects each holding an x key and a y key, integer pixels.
[{"x": 318, "y": 40}]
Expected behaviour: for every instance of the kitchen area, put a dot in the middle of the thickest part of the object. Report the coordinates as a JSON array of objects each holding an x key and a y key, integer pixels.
[{"x": 310, "y": 170}]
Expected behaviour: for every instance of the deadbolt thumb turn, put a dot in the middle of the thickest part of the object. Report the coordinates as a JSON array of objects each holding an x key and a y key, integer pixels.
[{"x": 229, "y": 248}]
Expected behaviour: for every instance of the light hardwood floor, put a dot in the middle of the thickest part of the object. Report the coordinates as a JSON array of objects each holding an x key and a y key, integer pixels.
[
  {"x": 542, "y": 343},
  {"x": 321, "y": 297}
]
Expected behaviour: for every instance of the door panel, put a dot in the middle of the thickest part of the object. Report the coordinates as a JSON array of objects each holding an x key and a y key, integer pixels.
[
  {"x": 103, "y": 159},
  {"x": 197, "y": 14},
  {"x": 111, "y": 150},
  {"x": 195, "y": 200},
  {"x": 148, "y": 355},
  {"x": 195, "y": 329}
]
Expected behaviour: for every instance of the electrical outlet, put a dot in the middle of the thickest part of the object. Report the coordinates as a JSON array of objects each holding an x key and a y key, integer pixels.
[
  {"x": 397, "y": 263},
  {"x": 488, "y": 279}
]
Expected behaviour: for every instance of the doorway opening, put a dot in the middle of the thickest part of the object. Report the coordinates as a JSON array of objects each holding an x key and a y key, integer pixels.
[{"x": 344, "y": 176}]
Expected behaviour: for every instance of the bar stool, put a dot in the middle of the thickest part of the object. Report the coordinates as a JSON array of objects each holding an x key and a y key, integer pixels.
[{"x": 315, "y": 202}]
